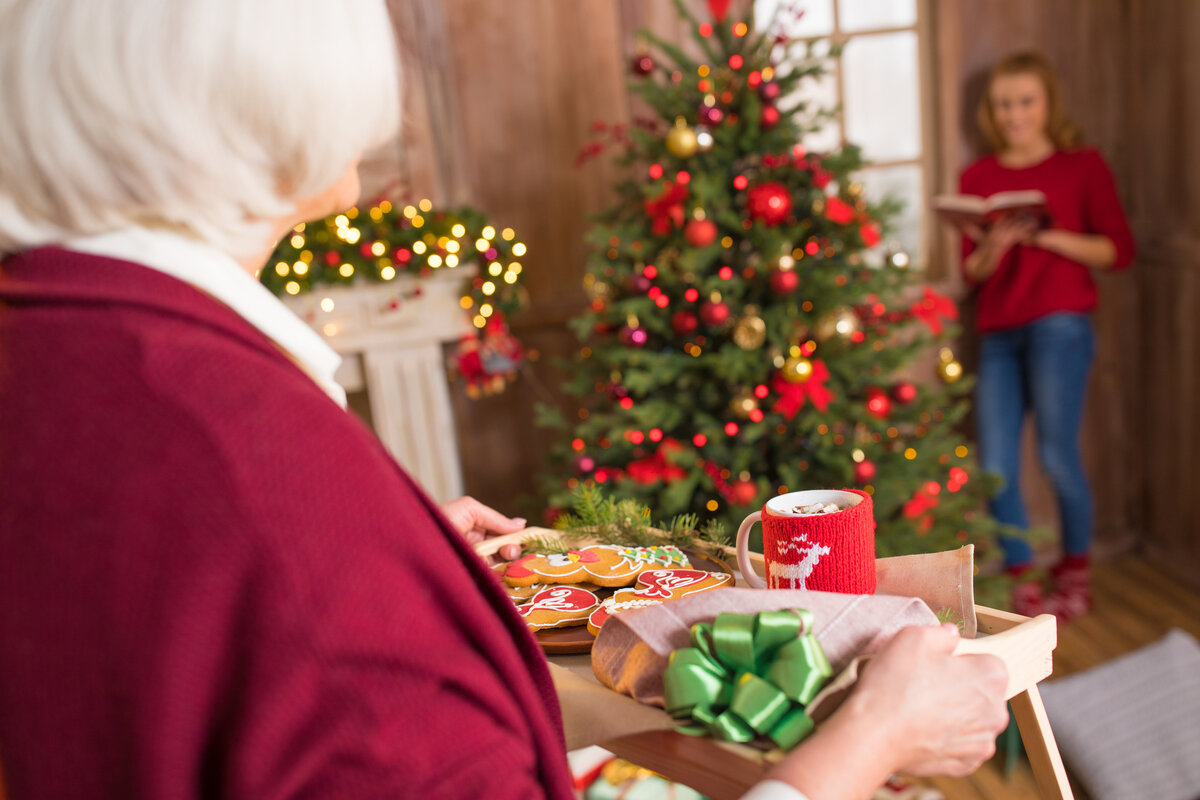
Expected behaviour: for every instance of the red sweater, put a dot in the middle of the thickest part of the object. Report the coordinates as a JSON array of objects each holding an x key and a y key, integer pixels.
[
  {"x": 215, "y": 583},
  {"x": 1031, "y": 282}
]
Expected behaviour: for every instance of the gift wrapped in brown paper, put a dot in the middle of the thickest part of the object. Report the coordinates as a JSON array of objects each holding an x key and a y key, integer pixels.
[{"x": 632, "y": 649}]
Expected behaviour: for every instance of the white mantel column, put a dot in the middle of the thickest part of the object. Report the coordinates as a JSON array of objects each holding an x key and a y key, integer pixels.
[{"x": 391, "y": 342}]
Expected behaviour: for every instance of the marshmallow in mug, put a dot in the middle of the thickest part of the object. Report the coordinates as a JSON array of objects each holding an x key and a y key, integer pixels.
[{"x": 813, "y": 509}]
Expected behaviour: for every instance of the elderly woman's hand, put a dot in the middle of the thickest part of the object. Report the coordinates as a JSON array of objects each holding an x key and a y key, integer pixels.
[
  {"x": 917, "y": 709},
  {"x": 475, "y": 521}
]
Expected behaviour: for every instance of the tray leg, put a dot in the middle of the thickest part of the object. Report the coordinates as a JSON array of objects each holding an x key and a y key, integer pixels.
[{"x": 1040, "y": 746}]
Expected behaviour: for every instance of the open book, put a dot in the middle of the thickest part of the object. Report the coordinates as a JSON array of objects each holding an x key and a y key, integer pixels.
[{"x": 968, "y": 209}]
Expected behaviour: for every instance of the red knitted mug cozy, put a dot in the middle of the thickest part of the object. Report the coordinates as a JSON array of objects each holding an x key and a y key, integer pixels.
[{"x": 824, "y": 552}]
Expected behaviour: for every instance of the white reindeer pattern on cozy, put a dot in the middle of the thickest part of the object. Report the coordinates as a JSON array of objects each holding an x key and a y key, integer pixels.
[{"x": 793, "y": 576}]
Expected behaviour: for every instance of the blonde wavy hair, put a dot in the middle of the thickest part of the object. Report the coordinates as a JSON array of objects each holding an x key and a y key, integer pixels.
[{"x": 1064, "y": 133}]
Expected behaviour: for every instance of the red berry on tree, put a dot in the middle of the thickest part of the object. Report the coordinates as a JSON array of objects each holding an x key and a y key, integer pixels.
[
  {"x": 768, "y": 91},
  {"x": 643, "y": 65},
  {"x": 864, "y": 472},
  {"x": 770, "y": 116}
]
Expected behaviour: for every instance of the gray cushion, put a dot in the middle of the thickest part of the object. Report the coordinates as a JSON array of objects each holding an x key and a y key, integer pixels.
[{"x": 1130, "y": 728}]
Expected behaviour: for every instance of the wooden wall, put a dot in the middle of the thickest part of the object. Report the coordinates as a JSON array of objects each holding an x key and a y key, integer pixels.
[
  {"x": 501, "y": 97},
  {"x": 518, "y": 85}
]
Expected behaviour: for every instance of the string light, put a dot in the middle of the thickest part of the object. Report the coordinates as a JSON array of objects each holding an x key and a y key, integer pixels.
[
  {"x": 281, "y": 269},
  {"x": 961, "y": 451},
  {"x": 434, "y": 260},
  {"x": 387, "y": 273},
  {"x": 327, "y": 304},
  {"x": 507, "y": 234},
  {"x": 297, "y": 241},
  {"x": 425, "y": 204},
  {"x": 346, "y": 270},
  {"x": 458, "y": 229},
  {"x": 910, "y": 453},
  {"x": 488, "y": 288},
  {"x": 378, "y": 248},
  {"x": 300, "y": 268},
  {"x": 291, "y": 287},
  {"x": 518, "y": 249},
  {"x": 465, "y": 301},
  {"x": 418, "y": 247}
]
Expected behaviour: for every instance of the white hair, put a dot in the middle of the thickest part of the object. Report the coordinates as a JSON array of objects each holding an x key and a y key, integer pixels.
[{"x": 208, "y": 117}]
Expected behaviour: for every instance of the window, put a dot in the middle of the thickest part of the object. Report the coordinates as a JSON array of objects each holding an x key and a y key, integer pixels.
[{"x": 876, "y": 86}]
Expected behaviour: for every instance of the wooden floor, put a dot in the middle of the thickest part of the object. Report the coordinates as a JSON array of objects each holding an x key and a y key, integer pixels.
[{"x": 1135, "y": 605}]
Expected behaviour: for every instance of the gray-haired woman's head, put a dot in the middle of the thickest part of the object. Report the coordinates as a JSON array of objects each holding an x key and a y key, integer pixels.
[{"x": 209, "y": 117}]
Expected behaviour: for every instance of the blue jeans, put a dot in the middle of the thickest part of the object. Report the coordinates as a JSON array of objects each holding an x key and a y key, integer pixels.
[{"x": 1040, "y": 367}]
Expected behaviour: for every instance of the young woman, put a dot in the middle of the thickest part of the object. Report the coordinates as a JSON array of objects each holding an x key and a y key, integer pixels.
[
  {"x": 214, "y": 582},
  {"x": 1034, "y": 297}
]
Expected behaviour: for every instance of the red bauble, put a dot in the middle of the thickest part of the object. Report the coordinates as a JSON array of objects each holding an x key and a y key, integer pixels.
[
  {"x": 700, "y": 232},
  {"x": 784, "y": 281},
  {"x": 711, "y": 116},
  {"x": 878, "y": 403},
  {"x": 684, "y": 322},
  {"x": 864, "y": 472},
  {"x": 769, "y": 91},
  {"x": 770, "y": 202},
  {"x": 643, "y": 65},
  {"x": 714, "y": 313},
  {"x": 742, "y": 493},
  {"x": 904, "y": 392},
  {"x": 770, "y": 117}
]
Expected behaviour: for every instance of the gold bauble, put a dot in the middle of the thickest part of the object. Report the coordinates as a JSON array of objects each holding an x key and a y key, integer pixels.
[
  {"x": 599, "y": 290},
  {"x": 841, "y": 321},
  {"x": 797, "y": 369},
  {"x": 949, "y": 371},
  {"x": 743, "y": 403},
  {"x": 681, "y": 141},
  {"x": 750, "y": 332}
]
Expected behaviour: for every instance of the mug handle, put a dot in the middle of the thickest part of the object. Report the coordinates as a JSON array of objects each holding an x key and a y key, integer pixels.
[{"x": 743, "y": 535}]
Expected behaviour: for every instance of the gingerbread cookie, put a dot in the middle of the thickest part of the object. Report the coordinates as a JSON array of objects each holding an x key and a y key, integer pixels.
[
  {"x": 603, "y": 565},
  {"x": 558, "y": 607},
  {"x": 654, "y": 587}
]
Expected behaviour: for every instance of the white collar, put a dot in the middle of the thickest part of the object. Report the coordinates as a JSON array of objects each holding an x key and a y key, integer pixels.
[{"x": 218, "y": 275}]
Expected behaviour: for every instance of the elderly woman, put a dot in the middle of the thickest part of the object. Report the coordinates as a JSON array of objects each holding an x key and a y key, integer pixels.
[{"x": 214, "y": 582}]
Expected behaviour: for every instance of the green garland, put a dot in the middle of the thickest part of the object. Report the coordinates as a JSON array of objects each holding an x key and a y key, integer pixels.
[{"x": 382, "y": 241}]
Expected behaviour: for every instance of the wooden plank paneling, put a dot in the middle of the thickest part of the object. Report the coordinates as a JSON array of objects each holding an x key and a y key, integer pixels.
[{"x": 524, "y": 81}]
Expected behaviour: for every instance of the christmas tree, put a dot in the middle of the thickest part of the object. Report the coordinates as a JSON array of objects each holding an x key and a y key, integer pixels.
[{"x": 746, "y": 336}]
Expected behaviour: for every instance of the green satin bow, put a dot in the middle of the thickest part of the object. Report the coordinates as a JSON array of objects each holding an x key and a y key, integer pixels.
[{"x": 748, "y": 675}]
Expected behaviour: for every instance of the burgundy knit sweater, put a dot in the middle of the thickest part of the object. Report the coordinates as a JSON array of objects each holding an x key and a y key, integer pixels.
[
  {"x": 1031, "y": 282},
  {"x": 215, "y": 583}
]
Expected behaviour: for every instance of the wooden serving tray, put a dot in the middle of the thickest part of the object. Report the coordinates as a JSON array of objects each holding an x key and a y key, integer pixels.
[{"x": 723, "y": 770}]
